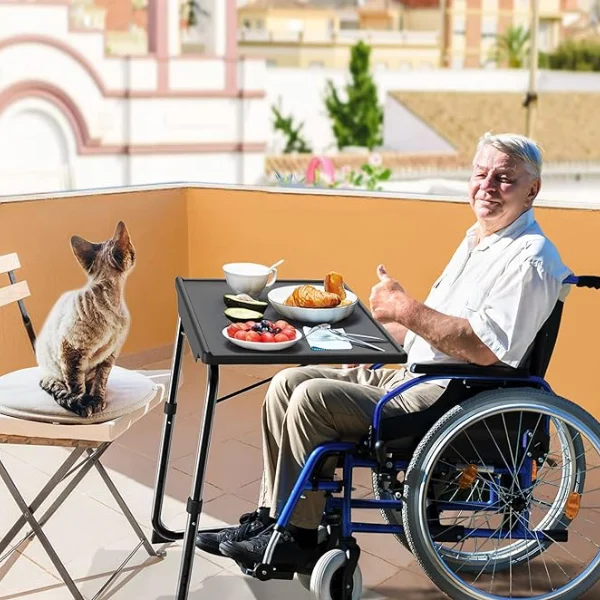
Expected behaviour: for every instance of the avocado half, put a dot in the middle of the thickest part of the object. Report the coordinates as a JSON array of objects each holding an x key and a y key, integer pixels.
[
  {"x": 240, "y": 315},
  {"x": 232, "y": 301}
]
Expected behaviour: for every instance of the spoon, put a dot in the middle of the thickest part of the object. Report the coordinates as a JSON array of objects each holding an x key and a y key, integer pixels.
[{"x": 276, "y": 264}]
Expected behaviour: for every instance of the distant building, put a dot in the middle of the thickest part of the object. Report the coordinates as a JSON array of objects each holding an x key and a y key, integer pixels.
[
  {"x": 404, "y": 34},
  {"x": 74, "y": 116}
]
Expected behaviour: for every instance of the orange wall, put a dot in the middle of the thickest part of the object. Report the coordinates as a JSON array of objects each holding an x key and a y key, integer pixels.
[
  {"x": 313, "y": 233},
  {"x": 40, "y": 230},
  {"x": 414, "y": 239}
]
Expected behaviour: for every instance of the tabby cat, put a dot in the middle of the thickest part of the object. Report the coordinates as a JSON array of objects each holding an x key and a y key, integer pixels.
[{"x": 86, "y": 328}]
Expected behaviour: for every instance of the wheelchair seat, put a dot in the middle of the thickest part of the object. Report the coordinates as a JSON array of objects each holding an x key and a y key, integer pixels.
[{"x": 416, "y": 425}]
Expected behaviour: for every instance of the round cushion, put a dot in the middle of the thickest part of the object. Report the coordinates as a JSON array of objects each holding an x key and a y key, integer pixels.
[{"x": 22, "y": 397}]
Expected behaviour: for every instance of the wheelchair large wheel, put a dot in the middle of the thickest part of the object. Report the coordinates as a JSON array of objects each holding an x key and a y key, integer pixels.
[
  {"x": 567, "y": 456},
  {"x": 496, "y": 503}
]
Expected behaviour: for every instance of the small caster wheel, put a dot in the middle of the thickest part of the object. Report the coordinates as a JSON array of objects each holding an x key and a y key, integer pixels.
[{"x": 326, "y": 578}]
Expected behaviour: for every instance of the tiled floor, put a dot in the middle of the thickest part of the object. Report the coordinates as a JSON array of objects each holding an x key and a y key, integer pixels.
[{"x": 92, "y": 537}]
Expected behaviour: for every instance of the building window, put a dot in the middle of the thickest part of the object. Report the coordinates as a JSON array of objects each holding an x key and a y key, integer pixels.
[
  {"x": 316, "y": 64},
  {"x": 458, "y": 24},
  {"x": 489, "y": 27},
  {"x": 271, "y": 62},
  {"x": 545, "y": 35},
  {"x": 260, "y": 24},
  {"x": 247, "y": 24},
  {"x": 458, "y": 62},
  {"x": 295, "y": 25},
  {"x": 351, "y": 25},
  {"x": 381, "y": 66}
]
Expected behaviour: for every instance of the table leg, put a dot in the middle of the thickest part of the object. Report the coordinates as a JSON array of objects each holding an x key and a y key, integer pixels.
[
  {"x": 194, "y": 504},
  {"x": 160, "y": 533}
]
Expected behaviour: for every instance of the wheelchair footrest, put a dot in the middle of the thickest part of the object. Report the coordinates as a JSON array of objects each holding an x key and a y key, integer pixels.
[{"x": 266, "y": 572}]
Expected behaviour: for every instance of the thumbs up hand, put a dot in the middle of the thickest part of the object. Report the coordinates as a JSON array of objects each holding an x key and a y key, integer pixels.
[{"x": 385, "y": 297}]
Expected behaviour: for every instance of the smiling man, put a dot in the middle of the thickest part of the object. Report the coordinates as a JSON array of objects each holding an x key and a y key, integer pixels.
[
  {"x": 502, "y": 282},
  {"x": 487, "y": 306}
]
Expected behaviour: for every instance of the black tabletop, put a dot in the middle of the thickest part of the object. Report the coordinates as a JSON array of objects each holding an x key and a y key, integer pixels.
[{"x": 200, "y": 304}]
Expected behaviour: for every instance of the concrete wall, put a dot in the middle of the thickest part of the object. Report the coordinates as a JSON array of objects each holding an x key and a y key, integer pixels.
[
  {"x": 193, "y": 231},
  {"x": 39, "y": 232}
]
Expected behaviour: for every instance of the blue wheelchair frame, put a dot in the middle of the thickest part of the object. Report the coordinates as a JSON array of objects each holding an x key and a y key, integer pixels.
[{"x": 345, "y": 504}]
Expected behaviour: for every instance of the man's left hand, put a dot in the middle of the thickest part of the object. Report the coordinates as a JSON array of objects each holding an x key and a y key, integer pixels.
[{"x": 386, "y": 297}]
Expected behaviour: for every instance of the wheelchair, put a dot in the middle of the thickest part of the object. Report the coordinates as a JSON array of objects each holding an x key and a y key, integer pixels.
[{"x": 487, "y": 487}]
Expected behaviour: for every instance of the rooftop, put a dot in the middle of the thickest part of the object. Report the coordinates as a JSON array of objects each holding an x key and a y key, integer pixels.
[
  {"x": 191, "y": 230},
  {"x": 567, "y": 123}
]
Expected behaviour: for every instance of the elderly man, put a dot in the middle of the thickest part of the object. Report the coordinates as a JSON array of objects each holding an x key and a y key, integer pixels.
[{"x": 495, "y": 293}]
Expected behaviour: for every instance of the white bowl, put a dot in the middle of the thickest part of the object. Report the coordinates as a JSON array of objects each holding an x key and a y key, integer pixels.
[
  {"x": 249, "y": 278},
  {"x": 315, "y": 316},
  {"x": 263, "y": 346}
]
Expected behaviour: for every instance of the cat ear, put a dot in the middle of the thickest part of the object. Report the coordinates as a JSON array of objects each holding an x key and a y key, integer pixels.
[
  {"x": 121, "y": 236},
  {"x": 84, "y": 251}
]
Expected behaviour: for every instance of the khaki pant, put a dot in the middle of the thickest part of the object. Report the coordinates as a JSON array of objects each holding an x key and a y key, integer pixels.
[{"x": 307, "y": 406}]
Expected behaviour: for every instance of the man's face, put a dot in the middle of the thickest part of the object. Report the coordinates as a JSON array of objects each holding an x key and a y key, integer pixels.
[{"x": 500, "y": 189}]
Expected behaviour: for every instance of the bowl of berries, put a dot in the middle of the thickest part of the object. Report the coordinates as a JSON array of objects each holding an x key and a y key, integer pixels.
[{"x": 264, "y": 336}]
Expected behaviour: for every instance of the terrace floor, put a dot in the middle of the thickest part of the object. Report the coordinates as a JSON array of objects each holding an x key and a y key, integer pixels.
[{"x": 92, "y": 537}]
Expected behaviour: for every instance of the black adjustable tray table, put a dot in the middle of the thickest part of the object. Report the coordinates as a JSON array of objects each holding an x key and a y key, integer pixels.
[{"x": 201, "y": 320}]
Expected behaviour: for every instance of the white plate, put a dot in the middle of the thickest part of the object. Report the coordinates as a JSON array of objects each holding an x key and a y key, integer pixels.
[
  {"x": 315, "y": 316},
  {"x": 263, "y": 346}
]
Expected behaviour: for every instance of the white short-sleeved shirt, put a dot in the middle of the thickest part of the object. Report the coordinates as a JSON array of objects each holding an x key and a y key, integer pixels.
[{"x": 506, "y": 287}]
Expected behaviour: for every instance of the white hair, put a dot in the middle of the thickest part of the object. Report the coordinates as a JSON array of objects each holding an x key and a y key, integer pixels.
[{"x": 518, "y": 147}]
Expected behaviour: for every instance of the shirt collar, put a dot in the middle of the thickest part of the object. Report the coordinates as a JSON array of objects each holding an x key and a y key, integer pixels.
[{"x": 519, "y": 225}]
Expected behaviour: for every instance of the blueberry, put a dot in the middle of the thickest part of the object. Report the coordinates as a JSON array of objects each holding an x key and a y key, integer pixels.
[{"x": 277, "y": 330}]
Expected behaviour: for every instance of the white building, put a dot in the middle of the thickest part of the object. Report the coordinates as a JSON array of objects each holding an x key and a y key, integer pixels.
[{"x": 73, "y": 117}]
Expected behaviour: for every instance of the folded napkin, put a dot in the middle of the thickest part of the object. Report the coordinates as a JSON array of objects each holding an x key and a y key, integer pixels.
[{"x": 322, "y": 339}]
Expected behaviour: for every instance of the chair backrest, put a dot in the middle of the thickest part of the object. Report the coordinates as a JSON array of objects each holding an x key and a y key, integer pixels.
[
  {"x": 16, "y": 291},
  {"x": 537, "y": 358}
]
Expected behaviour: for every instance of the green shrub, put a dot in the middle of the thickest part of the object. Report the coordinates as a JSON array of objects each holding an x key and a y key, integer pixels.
[{"x": 581, "y": 55}]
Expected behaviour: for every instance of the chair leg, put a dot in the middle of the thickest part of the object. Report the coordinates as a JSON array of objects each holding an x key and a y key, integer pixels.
[
  {"x": 125, "y": 509},
  {"x": 82, "y": 471},
  {"x": 35, "y": 526},
  {"x": 39, "y": 499},
  {"x": 65, "y": 470}
]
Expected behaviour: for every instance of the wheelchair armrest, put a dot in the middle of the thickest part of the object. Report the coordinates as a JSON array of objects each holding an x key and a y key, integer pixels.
[{"x": 444, "y": 368}]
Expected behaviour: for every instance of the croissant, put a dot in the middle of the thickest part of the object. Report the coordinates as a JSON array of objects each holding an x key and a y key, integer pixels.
[
  {"x": 334, "y": 284},
  {"x": 308, "y": 296}
]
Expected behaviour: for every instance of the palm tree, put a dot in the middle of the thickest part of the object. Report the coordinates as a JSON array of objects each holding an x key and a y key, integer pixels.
[{"x": 512, "y": 47}]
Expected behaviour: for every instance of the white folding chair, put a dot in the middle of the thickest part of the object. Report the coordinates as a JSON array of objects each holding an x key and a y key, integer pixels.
[{"x": 28, "y": 415}]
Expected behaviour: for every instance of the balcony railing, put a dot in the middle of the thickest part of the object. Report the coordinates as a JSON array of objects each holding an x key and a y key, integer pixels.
[{"x": 344, "y": 36}]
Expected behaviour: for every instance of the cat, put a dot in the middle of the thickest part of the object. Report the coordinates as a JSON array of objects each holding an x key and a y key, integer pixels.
[{"x": 86, "y": 328}]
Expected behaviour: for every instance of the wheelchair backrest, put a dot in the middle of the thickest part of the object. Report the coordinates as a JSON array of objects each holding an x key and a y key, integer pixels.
[{"x": 537, "y": 358}]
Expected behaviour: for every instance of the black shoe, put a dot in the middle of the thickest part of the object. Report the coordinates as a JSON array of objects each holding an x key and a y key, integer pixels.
[
  {"x": 251, "y": 524},
  {"x": 289, "y": 556}
]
